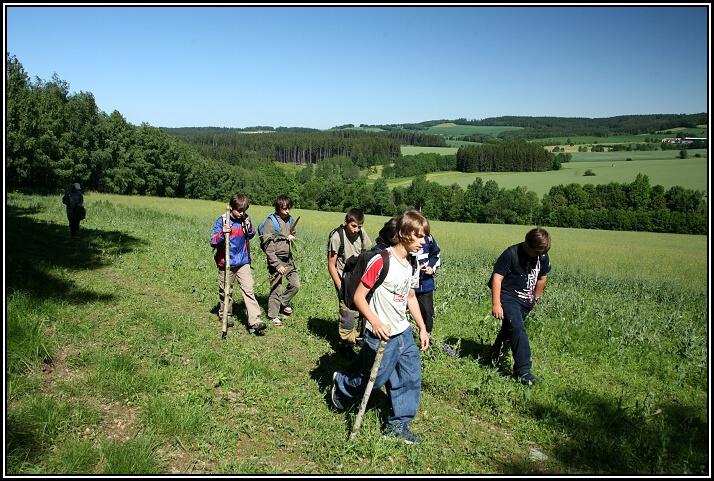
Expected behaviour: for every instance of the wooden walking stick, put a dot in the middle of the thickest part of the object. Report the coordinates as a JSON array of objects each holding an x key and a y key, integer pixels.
[
  {"x": 368, "y": 390},
  {"x": 226, "y": 274}
]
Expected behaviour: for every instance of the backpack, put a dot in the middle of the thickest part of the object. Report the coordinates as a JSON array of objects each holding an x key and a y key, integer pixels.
[
  {"x": 341, "y": 249},
  {"x": 355, "y": 268},
  {"x": 276, "y": 228}
]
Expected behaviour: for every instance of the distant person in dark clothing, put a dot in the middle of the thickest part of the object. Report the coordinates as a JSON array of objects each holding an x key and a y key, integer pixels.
[
  {"x": 517, "y": 283},
  {"x": 74, "y": 200}
]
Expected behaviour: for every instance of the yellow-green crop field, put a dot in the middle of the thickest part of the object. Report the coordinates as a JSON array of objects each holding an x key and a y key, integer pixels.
[{"x": 690, "y": 173}]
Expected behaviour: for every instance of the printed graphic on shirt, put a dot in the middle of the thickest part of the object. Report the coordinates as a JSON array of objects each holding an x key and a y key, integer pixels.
[{"x": 531, "y": 279}]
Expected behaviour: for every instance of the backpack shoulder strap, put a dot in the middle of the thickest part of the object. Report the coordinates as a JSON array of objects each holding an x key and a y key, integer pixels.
[
  {"x": 341, "y": 250},
  {"x": 276, "y": 226},
  {"x": 385, "y": 269}
]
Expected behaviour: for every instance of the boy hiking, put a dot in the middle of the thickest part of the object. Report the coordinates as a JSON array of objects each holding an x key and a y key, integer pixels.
[
  {"x": 277, "y": 234},
  {"x": 344, "y": 242},
  {"x": 74, "y": 200},
  {"x": 429, "y": 259},
  {"x": 239, "y": 228},
  {"x": 385, "y": 312},
  {"x": 517, "y": 283}
]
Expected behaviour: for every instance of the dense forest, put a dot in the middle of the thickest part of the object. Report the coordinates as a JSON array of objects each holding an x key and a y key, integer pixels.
[
  {"x": 55, "y": 138},
  {"x": 363, "y": 148},
  {"x": 544, "y": 127},
  {"x": 506, "y": 157}
]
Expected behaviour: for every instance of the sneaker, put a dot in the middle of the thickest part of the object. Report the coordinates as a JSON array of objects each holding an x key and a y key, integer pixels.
[
  {"x": 257, "y": 328},
  {"x": 527, "y": 379},
  {"x": 230, "y": 323},
  {"x": 277, "y": 322},
  {"x": 287, "y": 310},
  {"x": 333, "y": 394},
  {"x": 403, "y": 435}
]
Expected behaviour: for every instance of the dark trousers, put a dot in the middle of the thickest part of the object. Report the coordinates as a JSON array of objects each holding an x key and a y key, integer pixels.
[
  {"x": 426, "y": 307},
  {"x": 513, "y": 330},
  {"x": 73, "y": 225}
]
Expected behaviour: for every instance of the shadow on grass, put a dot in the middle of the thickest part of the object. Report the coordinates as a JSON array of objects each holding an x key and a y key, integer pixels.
[
  {"x": 606, "y": 437},
  {"x": 479, "y": 351},
  {"x": 239, "y": 311},
  {"x": 329, "y": 363},
  {"x": 33, "y": 248}
]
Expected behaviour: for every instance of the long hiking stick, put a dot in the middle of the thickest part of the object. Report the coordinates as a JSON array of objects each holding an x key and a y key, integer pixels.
[
  {"x": 368, "y": 390},
  {"x": 226, "y": 274}
]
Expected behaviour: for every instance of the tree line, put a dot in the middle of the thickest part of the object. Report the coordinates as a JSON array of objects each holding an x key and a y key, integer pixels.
[
  {"x": 363, "y": 148},
  {"x": 424, "y": 163},
  {"x": 507, "y": 157},
  {"x": 54, "y": 138}
]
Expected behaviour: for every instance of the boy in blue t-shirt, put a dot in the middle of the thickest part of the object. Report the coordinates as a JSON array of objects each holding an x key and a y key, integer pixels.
[{"x": 517, "y": 283}]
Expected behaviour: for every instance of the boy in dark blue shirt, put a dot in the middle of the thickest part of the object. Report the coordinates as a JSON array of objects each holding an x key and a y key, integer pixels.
[{"x": 517, "y": 282}]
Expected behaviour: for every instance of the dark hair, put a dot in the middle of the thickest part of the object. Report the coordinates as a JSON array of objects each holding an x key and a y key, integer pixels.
[
  {"x": 538, "y": 239},
  {"x": 283, "y": 202},
  {"x": 354, "y": 215},
  {"x": 240, "y": 202},
  {"x": 402, "y": 227}
]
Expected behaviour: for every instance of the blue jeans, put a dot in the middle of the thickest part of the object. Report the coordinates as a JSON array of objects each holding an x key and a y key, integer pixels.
[
  {"x": 513, "y": 330},
  {"x": 400, "y": 371}
]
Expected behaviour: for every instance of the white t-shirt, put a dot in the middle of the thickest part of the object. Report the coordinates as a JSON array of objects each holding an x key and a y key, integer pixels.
[{"x": 389, "y": 301}]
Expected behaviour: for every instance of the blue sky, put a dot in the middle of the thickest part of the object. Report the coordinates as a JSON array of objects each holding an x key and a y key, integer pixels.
[{"x": 235, "y": 66}]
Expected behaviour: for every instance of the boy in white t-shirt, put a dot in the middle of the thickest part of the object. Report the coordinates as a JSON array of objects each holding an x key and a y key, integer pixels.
[{"x": 400, "y": 370}]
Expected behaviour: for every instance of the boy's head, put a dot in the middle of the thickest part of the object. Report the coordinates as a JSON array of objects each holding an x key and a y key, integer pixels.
[
  {"x": 354, "y": 220},
  {"x": 537, "y": 242},
  {"x": 240, "y": 203},
  {"x": 282, "y": 203},
  {"x": 408, "y": 229}
]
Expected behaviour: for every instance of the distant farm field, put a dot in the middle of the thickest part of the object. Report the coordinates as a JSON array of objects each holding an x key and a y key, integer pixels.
[
  {"x": 414, "y": 150},
  {"x": 454, "y": 129},
  {"x": 690, "y": 173}
]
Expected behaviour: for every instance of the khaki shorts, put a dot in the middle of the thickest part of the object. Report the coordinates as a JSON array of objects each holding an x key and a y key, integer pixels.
[{"x": 349, "y": 328}]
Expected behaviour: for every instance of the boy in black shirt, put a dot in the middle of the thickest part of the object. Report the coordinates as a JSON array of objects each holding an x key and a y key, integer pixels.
[{"x": 517, "y": 282}]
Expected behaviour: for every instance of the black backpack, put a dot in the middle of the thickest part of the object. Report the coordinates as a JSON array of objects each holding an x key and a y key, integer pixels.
[
  {"x": 355, "y": 268},
  {"x": 341, "y": 230}
]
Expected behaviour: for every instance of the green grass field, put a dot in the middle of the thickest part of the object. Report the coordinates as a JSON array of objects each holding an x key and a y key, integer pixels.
[
  {"x": 415, "y": 149},
  {"x": 690, "y": 173},
  {"x": 114, "y": 362},
  {"x": 454, "y": 129}
]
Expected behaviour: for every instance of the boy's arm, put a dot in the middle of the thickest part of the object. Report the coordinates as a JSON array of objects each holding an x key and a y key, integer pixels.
[
  {"x": 270, "y": 249},
  {"x": 332, "y": 269},
  {"x": 378, "y": 329},
  {"x": 249, "y": 229},
  {"x": 496, "y": 307},
  {"x": 540, "y": 285},
  {"x": 413, "y": 306},
  {"x": 434, "y": 256},
  {"x": 217, "y": 237}
]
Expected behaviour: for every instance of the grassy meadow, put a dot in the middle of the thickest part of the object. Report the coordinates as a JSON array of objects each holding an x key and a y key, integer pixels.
[
  {"x": 115, "y": 365},
  {"x": 690, "y": 173},
  {"x": 450, "y": 129}
]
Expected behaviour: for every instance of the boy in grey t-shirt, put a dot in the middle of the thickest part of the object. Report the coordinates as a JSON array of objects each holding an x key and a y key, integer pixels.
[{"x": 346, "y": 241}]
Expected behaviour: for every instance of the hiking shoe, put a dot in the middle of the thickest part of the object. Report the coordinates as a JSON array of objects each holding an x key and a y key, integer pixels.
[
  {"x": 230, "y": 323},
  {"x": 287, "y": 310},
  {"x": 527, "y": 379},
  {"x": 333, "y": 394},
  {"x": 402, "y": 434},
  {"x": 277, "y": 322},
  {"x": 258, "y": 328}
]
